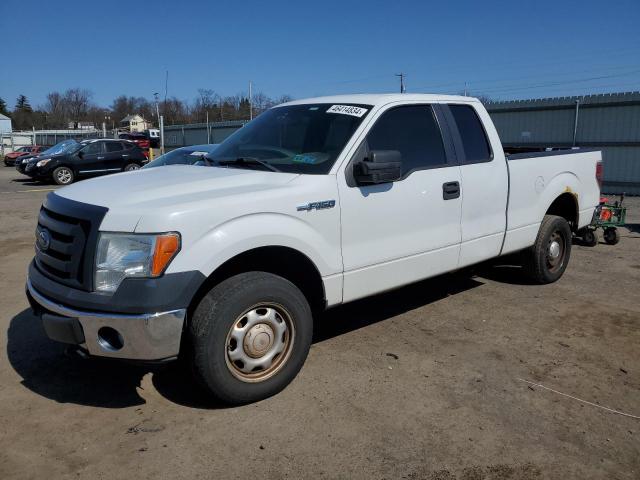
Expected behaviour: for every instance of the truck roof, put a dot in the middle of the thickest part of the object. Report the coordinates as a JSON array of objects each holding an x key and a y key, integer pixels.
[{"x": 376, "y": 99}]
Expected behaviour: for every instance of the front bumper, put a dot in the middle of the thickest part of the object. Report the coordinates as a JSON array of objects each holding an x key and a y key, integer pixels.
[{"x": 148, "y": 336}]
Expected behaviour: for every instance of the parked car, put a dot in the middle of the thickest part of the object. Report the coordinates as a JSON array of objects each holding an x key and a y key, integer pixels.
[
  {"x": 30, "y": 150},
  {"x": 87, "y": 158},
  {"x": 192, "y": 155},
  {"x": 21, "y": 164},
  {"x": 139, "y": 139},
  {"x": 313, "y": 204}
]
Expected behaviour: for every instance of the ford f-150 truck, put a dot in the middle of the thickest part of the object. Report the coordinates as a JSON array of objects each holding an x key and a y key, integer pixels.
[{"x": 313, "y": 204}]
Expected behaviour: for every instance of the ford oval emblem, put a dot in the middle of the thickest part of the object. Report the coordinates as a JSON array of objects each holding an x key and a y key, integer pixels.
[{"x": 43, "y": 239}]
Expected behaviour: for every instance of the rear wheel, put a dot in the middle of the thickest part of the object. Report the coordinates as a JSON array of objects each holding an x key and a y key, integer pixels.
[
  {"x": 63, "y": 176},
  {"x": 250, "y": 335},
  {"x": 547, "y": 259},
  {"x": 612, "y": 236},
  {"x": 131, "y": 166}
]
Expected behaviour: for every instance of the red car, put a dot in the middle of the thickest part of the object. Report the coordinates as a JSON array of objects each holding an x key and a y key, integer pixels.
[
  {"x": 139, "y": 139},
  {"x": 11, "y": 157}
]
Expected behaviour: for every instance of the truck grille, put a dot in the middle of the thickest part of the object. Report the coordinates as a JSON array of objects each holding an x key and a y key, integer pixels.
[{"x": 66, "y": 238}]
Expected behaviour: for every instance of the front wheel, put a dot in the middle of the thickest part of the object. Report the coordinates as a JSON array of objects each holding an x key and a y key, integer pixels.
[
  {"x": 249, "y": 337},
  {"x": 549, "y": 256},
  {"x": 63, "y": 176}
]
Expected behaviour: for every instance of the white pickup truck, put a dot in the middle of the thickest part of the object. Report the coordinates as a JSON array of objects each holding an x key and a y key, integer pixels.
[{"x": 313, "y": 204}]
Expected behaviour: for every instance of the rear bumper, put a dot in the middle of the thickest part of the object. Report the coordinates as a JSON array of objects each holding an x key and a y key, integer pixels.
[{"x": 148, "y": 336}]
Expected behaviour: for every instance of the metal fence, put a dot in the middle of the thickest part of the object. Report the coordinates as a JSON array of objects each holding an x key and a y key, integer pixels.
[
  {"x": 610, "y": 122},
  {"x": 199, "y": 133},
  {"x": 10, "y": 141}
]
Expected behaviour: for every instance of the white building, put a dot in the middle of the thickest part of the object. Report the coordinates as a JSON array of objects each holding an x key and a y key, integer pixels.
[
  {"x": 135, "y": 123},
  {"x": 5, "y": 124}
]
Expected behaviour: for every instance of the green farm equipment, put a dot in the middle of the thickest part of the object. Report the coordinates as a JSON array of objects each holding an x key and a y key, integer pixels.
[{"x": 607, "y": 216}]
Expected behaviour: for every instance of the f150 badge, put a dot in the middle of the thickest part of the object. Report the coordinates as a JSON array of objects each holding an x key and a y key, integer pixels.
[{"x": 316, "y": 205}]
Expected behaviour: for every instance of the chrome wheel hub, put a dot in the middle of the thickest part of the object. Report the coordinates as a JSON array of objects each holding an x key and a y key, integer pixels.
[
  {"x": 259, "y": 342},
  {"x": 555, "y": 251},
  {"x": 64, "y": 176}
]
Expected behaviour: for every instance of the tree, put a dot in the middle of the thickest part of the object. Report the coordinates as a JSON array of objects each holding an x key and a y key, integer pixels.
[
  {"x": 3, "y": 107},
  {"x": 22, "y": 104},
  {"x": 77, "y": 104},
  {"x": 55, "y": 108}
]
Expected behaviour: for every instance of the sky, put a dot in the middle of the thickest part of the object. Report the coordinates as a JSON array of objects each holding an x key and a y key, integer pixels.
[{"x": 500, "y": 49}]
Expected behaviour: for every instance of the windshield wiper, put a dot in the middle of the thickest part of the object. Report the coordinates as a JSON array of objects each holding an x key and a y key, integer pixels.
[{"x": 248, "y": 161}]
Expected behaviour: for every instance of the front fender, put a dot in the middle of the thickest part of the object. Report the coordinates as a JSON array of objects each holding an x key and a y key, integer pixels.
[{"x": 247, "y": 232}]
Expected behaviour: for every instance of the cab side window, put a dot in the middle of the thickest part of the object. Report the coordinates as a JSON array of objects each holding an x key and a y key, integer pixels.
[
  {"x": 414, "y": 132},
  {"x": 474, "y": 139},
  {"x": 93, "y": 148},
  {"x": 113, "y": 146}
]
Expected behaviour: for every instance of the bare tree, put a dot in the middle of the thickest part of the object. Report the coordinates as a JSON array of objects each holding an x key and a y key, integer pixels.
[{"x": 77, "y": 104}]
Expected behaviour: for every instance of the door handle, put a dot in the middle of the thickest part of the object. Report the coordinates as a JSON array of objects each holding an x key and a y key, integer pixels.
[
  {"x": 450, "y": 190},
  {"x": 100, "y": 158}
]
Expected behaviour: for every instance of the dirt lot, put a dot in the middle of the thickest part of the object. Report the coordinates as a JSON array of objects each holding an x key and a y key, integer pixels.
[{"x": 426, "y": 382}]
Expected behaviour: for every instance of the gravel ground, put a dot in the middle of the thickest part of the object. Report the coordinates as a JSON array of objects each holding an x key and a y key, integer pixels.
[{"x": 457, "y": 377}]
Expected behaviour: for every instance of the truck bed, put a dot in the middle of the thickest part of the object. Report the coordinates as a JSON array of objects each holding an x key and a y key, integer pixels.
[{"x": 536, "y": 180}]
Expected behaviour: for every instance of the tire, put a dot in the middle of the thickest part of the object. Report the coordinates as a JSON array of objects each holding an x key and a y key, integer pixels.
[
  {"x": 131, "y": 167},
  {"x": 237, "y": 325},
  {"x": 63, "y": 176},
  {"x": 589, "y": 237},
  {"x": 612, "y": 236},
  {"x": 548, "y": 258}
]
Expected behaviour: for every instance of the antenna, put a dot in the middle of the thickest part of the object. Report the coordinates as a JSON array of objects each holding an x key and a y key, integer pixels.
[{"x": 402, "y": 87}]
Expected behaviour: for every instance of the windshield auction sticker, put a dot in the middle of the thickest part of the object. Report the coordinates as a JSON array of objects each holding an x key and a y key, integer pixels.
[{"x": 347, "y": 110}]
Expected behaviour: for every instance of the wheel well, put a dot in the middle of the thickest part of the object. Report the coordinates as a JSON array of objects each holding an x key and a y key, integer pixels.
[
  {"x": 283, "y": 261},
  {"x": 565, "y": 206}
]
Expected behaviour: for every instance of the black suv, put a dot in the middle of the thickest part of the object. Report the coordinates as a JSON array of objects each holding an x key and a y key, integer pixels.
[{"x": 87, "y": 158}]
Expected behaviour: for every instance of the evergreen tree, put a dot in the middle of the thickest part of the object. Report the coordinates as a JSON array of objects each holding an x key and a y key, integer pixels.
[
  {"x": 3, "y": 107},
  {"x": 22, "y": 104}
]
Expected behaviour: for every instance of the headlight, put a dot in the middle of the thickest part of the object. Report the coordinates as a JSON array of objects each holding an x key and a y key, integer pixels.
[
  {"x": 122, "y": 255},
  {"x": 42, "y": 163}
]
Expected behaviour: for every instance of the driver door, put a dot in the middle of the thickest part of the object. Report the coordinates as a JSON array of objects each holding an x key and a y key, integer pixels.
[
  {"x": 92, "y": 160},
  {"x": 401, "y": 232}
]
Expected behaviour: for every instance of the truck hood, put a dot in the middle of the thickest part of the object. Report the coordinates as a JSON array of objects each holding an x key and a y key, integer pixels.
[{"x": 131, "y": 195}]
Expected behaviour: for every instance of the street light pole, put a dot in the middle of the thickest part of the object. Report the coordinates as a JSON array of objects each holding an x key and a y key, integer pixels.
[{"x": 250, "y": 101}]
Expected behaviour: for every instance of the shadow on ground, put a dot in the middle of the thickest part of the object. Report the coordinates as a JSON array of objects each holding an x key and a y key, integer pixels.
[
  {"x": 30, "y": 182},
  {"x": 51, "y": 370}
]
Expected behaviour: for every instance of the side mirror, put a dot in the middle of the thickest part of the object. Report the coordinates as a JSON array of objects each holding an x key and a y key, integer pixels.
[
  {"x": 380, "y": 166},
  {"x": 80, "y": 154}
]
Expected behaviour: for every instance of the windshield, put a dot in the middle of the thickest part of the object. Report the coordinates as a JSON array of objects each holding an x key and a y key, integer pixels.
[
  {"x": 182, "y": 156},
  {"x": 61, "y": 147},
  {"x": 297, "y": 138}
]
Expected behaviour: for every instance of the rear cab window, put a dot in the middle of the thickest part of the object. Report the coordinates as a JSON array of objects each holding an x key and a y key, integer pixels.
[{"x": 472, "y": 134}]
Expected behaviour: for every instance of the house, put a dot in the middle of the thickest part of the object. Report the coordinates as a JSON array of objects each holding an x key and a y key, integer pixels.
[
  {"x": 135, "y": 123},
  {"x": 5, "y": 124}
]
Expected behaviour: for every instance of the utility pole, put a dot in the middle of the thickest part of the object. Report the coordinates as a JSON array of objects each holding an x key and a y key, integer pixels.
[
  {"x": 250, "y": 102},
  {"x": 402, "y": 87},
  {"x": 166, "y": 86},
  {"x": 208, "y": 130},
  {"x": 155, "y": 96}
]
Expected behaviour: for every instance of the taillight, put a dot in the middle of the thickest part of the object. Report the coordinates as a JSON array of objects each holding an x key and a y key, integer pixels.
[{"x": 599, "y": 174}]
